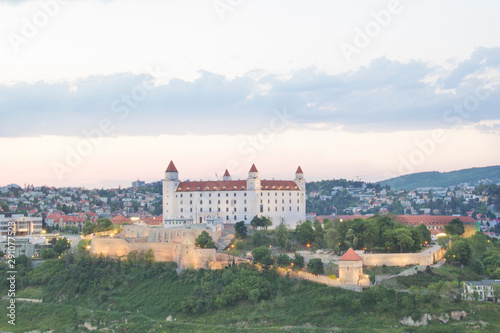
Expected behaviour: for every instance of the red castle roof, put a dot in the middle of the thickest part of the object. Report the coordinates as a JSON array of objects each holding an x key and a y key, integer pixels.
[
  {"x": 226, "y": 174},
  {"x": 253, "y": 169},
  {"x": 299, "y": 170},
  {"x": 171, "y": 167},
  {"x": 350, "y": 255}
]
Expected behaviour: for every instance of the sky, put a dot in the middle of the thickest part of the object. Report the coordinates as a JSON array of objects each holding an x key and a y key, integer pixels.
[{"x": 99, "y": 93}]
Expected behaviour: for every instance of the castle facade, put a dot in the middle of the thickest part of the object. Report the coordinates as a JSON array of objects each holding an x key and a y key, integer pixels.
[{"x": 231, "y": 201}]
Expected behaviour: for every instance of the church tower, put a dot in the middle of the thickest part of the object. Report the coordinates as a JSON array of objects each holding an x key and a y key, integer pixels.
[
  {"x": 170, "y": 183},
  {"x": 299, "y": 179}
]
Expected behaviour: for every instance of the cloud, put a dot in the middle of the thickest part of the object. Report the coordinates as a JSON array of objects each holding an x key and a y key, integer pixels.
[{"x": 384, "y": 96}]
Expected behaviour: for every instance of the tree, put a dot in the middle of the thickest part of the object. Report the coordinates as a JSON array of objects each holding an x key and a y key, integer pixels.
[
  {"x": 298, "y": 262},
  {"x": 444, "y": 242},
  {"x": 319, "y": 235},
  {"x": 204, "y": 240},
  {"x": 315, "y": 266},
  {"x": 371, "y": 235},
  {"x": 455, "y": 227},
  {"x": 261, "y": 222},
  {"x": 48, "y": 253},
  {"x": 61, "y": 245},
  {"x": 4, "y": 207},
  {"x": 426, "y": 233},
  {"x": 88, "y": 228},
  {"x": 281, "y": 233},
  {"x": 262, "y": 255},
  {"x": 240, "y": 229},
  {"x": 496, "y": 292},
  {"x": 305, "y": 232},
  {"x": 283, "y": 260},
  {"x": 460, "y": 251}
]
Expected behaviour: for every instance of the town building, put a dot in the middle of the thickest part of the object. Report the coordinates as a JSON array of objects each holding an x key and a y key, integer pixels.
[
  {"x": 231, "y": 201},
  {"x": 479, "y": 290},
  {"x": 23, "y": 225}
]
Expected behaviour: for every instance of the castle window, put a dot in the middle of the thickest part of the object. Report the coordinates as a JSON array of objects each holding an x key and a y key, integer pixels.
[
  {"x": 275, "y": 201},
  {"x": 261, "y": 208},
  {"x": 243, "y": 187},
  {"x": 200, "y": 195},
  {"x": 283, "y": 201},
  {"x": 209, "y": 202},
  {"x": 245, "y": 194},
  {"x": 218, "y": 209},
  {"x": 190, "y": 202},
  {"x": 283, "y": 194},
  {"x": 244, "y": 201},
  {"x": 227, "y": 209},
  {"x": 223, "y": 187},
  {"x": 207, "y": 188},
  {"x": 181, "y": 195},
  {"x": 246, "y": 217},
  {"x": 234, "y": 210},
  {"x": 218, "y": 194},
  {"x": 276, "y": 194},
  {"x": 227, "y": 202},
  {"x": 268, "y": 201},
  {"x": 209, "y": 194},
  {"x": 235, "y": 217},
  {"x": 268, "y": 209},
  {"x": 290, "y": 209},
  {"x": 201, "y": 209},
  {"x": 298, "y": 208},
  {"x": 235, "y": 187},
  {"x": 198, "y": 188},
  {"x": 235, "y": 193},
  {"x": 181, "y": 202},
  {"x": 218, "y": 202},
  {"x": 290, "y": 193},
  {"x": 227, "y": 217},
  {"x": 190, "y": 194},
  {"x": 297, "y": 200},
  {"x": 268, "y": 193},
  {"x": 290, "y": 201},
  {"x": 245, "y": 209},
  {"x": 210, "y": 209},
  {"x": 227, "y": 194},
  {"x": 191, "y": 210},
  {"x": 201, "y": 202},
  {"x": 283, "y": 209},
  {"x": 275, "y": 209},
  {"x": 188, "y": 189}
]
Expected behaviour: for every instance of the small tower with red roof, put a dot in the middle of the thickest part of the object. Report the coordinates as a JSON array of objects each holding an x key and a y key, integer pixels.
[
  {"x": 226, "y": 176},
  {"x": 351, "y": 268},
  {"x": 170, "y": 183},
  {"x": 299, "y": 179},
  {"x": 253, "y": 180}
]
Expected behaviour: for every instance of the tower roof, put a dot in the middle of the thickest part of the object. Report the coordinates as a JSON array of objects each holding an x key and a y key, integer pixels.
[
  {"x": 171, "y": 167},
  {"x": 299, "y": 170},
  {"x": 226, "y": 174},
  {"x": 253, "y": 169},
  {"x": 350, "y": 255}
]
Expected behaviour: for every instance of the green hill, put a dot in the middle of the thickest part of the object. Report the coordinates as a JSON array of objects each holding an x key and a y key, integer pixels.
[{"x": 444, "y": 179}]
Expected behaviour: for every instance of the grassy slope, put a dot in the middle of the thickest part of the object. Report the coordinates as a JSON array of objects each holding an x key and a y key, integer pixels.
[{"x": 443, "y": 179}]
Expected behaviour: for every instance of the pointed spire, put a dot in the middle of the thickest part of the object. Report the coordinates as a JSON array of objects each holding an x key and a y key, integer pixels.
[
  {"x": 253, "y": 169},
  {"x": 226, "y": 174},
  {"x": 171, "y": 167},
  {"x": 299, "y": 170}
]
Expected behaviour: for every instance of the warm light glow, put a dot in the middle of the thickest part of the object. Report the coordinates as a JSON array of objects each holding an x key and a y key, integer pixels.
[
  {"x": 44, "y": 231},
  {"x": 308, "y": 245}
]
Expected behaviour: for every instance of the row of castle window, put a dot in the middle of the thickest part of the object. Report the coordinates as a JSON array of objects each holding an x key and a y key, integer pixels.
[
  {"x": 244, "y": 194},
  {"x": 245, "y": 209},
  {"x": 234, "y": 202}
]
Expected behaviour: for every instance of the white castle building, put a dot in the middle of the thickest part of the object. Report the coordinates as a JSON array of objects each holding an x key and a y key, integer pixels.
[{"x": 231, "y": 201}]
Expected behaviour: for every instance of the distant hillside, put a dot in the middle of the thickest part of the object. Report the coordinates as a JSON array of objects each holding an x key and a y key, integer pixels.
[{"x": 443, "y": 179}]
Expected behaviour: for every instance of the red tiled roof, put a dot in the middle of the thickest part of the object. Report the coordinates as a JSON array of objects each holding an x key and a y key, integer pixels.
[
  {"x": 350, "y": 255},
  {"x": 226, "y": 174},
  {"x": 299, "y": 170},
  {"x": 171, "y": 167},
  {"x": 234, "y": 185},
  {"x": 431, "y": 219},
  {"x": 253, "y": 169}
]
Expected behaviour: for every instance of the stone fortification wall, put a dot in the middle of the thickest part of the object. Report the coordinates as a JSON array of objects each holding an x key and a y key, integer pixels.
[
  {"x": 426, "y": 257},
  {"x": 120, "y": 247},
  {"x": 320, "y": 279}
]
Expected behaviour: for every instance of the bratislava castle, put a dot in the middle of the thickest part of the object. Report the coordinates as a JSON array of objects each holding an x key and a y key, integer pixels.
[{"x": 231, "y": 201}]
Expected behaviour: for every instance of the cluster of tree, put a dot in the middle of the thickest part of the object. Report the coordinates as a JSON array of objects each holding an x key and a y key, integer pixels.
[
  {"x": 59, "y": 246},
  {"x": 376, "y": 234},
  {"x": 204, "y": 240},
  {"x": 261, "y": 222},
  {"x": 103, "y": 224},
  {"x": 263, "y": 256},
  {"x": 479, "y": 253}
]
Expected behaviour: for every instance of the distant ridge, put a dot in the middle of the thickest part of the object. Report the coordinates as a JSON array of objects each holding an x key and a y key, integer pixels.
[{"x": 444, "y": 179}]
